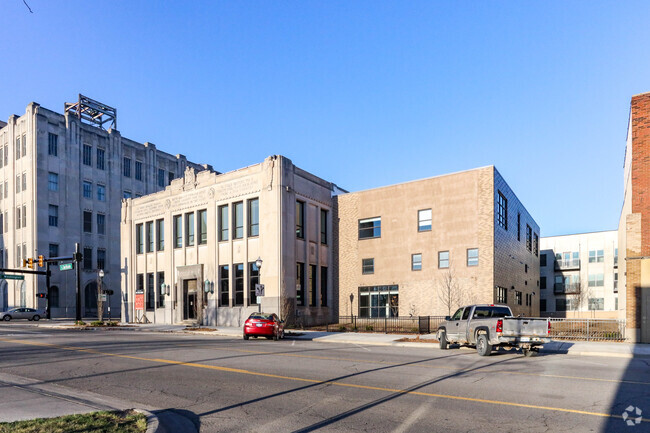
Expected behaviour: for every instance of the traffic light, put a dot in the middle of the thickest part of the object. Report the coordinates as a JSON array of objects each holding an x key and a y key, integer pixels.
[
  {"x": 30, "y": 263},
  {"x": 41, "y": 295},
  {"x": 109, "y": 292},
  {"x": 24, "y": 263},
  {"x": 41, "y": 261}
]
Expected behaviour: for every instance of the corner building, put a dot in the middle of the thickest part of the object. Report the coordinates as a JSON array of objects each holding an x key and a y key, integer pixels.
[
  {"x": 62, "y": 180},
  {"x": 399, "y": 244},
  {"x": 190, "y": 251}
]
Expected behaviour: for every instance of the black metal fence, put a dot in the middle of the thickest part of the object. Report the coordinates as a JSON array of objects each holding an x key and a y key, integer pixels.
[{"x": 398, "y": 325}]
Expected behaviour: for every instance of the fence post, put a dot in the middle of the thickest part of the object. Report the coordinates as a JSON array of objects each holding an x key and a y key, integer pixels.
[
  {"x": 588, "y": 334},
  {"x": 385, "y": 325}
]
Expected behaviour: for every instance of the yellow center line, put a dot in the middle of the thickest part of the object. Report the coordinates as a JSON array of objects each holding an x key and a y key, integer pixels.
[
  {"x": 369, "y": 361},
  {"x": 323, "y": 382}
]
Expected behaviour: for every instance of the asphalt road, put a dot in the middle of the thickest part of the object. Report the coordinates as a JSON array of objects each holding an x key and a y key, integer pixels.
[{"x": 226, "y": 384}]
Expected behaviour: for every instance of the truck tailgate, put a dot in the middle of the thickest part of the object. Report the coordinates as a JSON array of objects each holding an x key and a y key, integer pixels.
[{"x": 525, "y": 327}]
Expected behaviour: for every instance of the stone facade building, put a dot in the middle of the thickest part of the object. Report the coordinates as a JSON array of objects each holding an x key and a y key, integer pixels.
[
  {"x": 634, "y": 224},
  {"x": 579, "y": 276},
  {"x": 62, "y": 182},
  {"x": 189, "y": 252},
  {"x": 400, "y": 247}
]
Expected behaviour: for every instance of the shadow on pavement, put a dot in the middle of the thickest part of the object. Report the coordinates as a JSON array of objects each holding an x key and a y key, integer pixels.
[{"x": 178, "y": 420}]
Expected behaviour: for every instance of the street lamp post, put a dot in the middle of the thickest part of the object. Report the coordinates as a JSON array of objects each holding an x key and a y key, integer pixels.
[
  {"x": 164, "y": 290},
  {"x": 100, "y": 300},
  {"x": 258, "y": 263},
  {"x": 208, "y": 287}
]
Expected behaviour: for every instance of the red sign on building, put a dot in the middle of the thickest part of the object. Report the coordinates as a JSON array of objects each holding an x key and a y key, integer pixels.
[{"x": 139, "y": 301}]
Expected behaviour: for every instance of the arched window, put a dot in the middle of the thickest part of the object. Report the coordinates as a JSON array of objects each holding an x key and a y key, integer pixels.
[{"x": 54, "y": 296}]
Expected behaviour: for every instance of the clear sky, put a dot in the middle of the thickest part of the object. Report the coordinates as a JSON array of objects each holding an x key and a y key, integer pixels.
[{"x": 361, "y": 93}]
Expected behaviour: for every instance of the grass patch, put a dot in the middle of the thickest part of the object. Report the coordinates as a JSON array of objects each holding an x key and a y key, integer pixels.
[
  {"x": 200, "y": 329},
  {"x": 95, "y": 422}
]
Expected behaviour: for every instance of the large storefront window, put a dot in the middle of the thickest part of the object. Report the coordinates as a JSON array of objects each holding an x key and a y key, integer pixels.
[{"x": 379, "y": 301}]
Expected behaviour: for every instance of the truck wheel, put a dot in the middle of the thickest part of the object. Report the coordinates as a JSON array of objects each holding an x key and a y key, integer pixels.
[
  {"x": 444, "y": 344},
  {"x": 482, "y": 346}
]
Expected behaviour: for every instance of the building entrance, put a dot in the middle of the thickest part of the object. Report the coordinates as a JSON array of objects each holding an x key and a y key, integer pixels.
[
  {"x": 645, "y": 315},
  {"x": 189, "y": 299}
]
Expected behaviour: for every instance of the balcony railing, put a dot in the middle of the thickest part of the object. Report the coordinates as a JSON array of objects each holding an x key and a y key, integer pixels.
[
  {"x": 566, "y": 289},
  {"x": 567, "y": 264}
]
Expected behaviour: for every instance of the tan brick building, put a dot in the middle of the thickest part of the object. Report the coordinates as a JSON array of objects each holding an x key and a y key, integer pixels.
[
  {"x": 634, "y": 224},
  {"x": 399, "y": 247}
]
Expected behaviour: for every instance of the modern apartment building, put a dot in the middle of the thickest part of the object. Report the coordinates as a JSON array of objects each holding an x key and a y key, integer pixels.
[
  {"x": 427, "y": 246},
  {"x": 634, "y": 224},
  {"x": 191, "y": 253},
  {"x": 579, "y": 276},
  {"x": 62, "y": 181}
]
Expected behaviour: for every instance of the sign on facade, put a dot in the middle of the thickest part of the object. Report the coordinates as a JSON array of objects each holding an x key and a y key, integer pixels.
[
  {"x": 139, "y": 301},
  {"x": 259, "y": 290}
]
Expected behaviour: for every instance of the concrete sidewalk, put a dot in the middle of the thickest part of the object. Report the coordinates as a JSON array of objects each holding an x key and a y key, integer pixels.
[{"x": 427, "y": 341}]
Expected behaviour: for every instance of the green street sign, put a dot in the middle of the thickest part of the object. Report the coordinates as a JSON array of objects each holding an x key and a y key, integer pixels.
[
  {"x": 11, "y": 277},
  {"x": 66, "y": 266}
]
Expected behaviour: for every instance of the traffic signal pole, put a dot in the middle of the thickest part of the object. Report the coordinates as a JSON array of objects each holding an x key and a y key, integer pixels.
[
  {"x": 47, "y": 287},
  {"x": 77, "y": 258}
]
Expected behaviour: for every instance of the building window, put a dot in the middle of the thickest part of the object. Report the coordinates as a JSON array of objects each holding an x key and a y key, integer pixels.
[
  {"x": 424, "y": 220},
  {"x": 517, "y": 297},
  {"x": 139, "y": 283},
  {"x": 101, "y": 224},
  {"x": 323, "y": 226},
  {"x": 53, "y": 215},
  {"x": 370, "y": 228},
  {"x": 203, "y": 226},
  {"x": 519, "y": 227},
  {"x": 596, "y": 280},
  {"x": 149, "y": 233},
  {"x": 379, "y": 301},
  {"x": 472, "y": 257},
  {"x": 596, "y": 256},
  {"x": 443, "y": 259},
  {"x": 323, "y": 286},
  {"x": 170, "y": 177},
  {"x": 87, "y": 154},
  {"x": 367, "y": 266},
  {"x": 542, "y": 283},
  {"x": 312, "y": 285},
  {"x": 253, "y": 217},
  {"x": 24, "y": 144},
  {"x": 178, "y": 231},
  {"x": 17, "y": 147},
  {"x": 416, "y": 262},
  {"x": 126, "y": 194},
  {"x": 161, "y": 295},
  {"x": 101, "y": 154},
  {"x": 502, "y": 211},
  {"x": 126, "y": 170},
  {"x": 300, "y": 284},
  {"x": 596, "y": 304},
  {"x": 160, "y": 234},
  {"x": 161, "y": 178},
  {"x": 616, "y": 303},
  {"x": 24, "y": 181},
  {"x": 19, "y": 223},
  {"x": 615, "y": 256},
  {"x": 189, "y": 229},
  {"x": 52, "y": 144},
  {"x": 52, "y": 181},
  {"x": 615, "y": 282},
  {"x": 238, "y": 220},
  {"x": 223, "y": 223},
  {"x": 542, "y": 260},
  {"x": 151, "y": 292},
  {"x": 300, "y": 219},
  {"x": 139, "y": 239},
  {"x": 501, "y": 295},
  {"x": 101, "y": 258},
  {"x": 138, "y": 170},
  {"x": 88, "y": 190},
  {"x": 54, "y": 297},
  {"x": 224, "y": 287},
  {"x": 88, "y": 222},
  {"x": 54, "y": 250},
  {"x": 101, "y": 193},
  {"x": 542, "y": 305},
  {"x": 88, "y": 258},
  {"x": 239, "y": 284},
  {"x": 17, "y": 184},
  {"x": 253, "y": 279},
  {"x": 536, "y": 244},
  {"x": 529, "y": 238}
]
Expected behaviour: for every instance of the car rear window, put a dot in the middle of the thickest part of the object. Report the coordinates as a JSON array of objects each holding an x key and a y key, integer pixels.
[
  {"x": 486, "y": 312},
  {"x": 261, "y": 316}
]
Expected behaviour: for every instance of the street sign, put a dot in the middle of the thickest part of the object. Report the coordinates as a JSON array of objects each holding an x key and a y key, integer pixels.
[
  {"x": 259, "y": 290},
  {"x": 66, "y": 266},
  {"x": 11, "y": 277},
  {"x": 102, "y": 297}
]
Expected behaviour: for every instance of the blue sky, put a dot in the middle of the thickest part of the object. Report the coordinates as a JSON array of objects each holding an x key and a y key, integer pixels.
[{"x": 361, "y": 93}]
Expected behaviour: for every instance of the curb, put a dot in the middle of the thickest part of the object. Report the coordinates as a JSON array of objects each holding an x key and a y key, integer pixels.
[{"x": 153, "y": 425}]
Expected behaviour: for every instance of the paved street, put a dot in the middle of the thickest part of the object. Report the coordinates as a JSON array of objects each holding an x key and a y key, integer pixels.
[{"x": 227, "y": 384}]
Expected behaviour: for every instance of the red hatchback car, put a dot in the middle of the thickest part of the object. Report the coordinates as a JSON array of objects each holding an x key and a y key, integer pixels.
[{"x": 264, "y": 325}]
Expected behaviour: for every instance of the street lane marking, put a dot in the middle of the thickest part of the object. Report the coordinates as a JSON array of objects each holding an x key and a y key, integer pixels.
[
  {"x": 368, "y": 361},
  {"x": 323, "y": 382}
]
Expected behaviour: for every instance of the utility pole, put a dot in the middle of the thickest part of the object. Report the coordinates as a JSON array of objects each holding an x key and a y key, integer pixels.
[
  {"x": 47, "y": 285},
  {"x": 77, "y": 258}
]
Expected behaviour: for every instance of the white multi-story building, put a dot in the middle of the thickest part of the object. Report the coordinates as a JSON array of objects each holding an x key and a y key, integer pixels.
[
  {"x": 62, "y": 181},
  {"x": 579, "y": 275}
]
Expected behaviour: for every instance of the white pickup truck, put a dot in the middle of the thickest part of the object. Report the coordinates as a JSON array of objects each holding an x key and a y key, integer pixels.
[{"x": 488, "y": 326}]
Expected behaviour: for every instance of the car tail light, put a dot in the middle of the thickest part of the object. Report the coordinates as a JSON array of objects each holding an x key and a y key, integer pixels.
[
  {"x": 549, "y": 327},
  {"x": 499, "y": 325}
]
